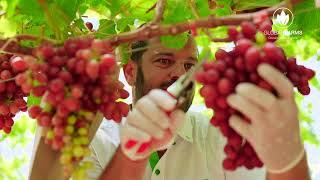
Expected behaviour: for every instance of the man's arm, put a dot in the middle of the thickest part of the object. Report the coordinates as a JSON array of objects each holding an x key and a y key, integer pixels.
[
  {"x": 123, "y": 168},
  {"x": 44, "y": 161},
  {"x": 299, "y": 172}
]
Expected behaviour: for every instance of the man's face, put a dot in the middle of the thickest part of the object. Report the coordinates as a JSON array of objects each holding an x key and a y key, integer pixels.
[{"x": 161, "y": 66}]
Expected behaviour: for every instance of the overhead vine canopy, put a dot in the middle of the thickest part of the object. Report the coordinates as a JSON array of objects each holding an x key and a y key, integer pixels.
[
  {"x": 62, "y": 19},
  {"x": 25, "y": 26}
]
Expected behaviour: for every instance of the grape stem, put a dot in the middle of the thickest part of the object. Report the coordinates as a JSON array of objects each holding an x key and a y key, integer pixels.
[
  {"x": 6, "y": 80},
  {"x": 151, "y": 8},
  {"x": 6, "y": 44},
  {"x": 226, "y": 39},
  {"x": 21, "y": 37},
  {"x": 12, "y": 53}
]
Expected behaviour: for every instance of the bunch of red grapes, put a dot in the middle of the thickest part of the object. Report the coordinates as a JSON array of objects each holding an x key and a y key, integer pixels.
[
  {"x": 253, "y": 46},
  {"x": 74, "y": 81},
  {"x": 11, "y": 95}
]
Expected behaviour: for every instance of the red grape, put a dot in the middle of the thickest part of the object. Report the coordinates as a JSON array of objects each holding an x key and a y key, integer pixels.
[
  {"x": 18, "y": 64},
  {"x": 248, "y": 29},
  {"x": 89, "y": 26},
  {"x": 34, "y": 111},
  {"x": 92, "y": 69},
  {"x": 224, "y": 86}
]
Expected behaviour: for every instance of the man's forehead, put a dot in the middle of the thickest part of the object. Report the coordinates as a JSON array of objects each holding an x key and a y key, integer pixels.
[
  {"x": 157, "y": 52},
  {"x": 157, "y": 42}
]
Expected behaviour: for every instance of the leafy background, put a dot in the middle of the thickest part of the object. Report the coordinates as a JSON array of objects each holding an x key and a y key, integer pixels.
[{"x": 61, "y": 19}]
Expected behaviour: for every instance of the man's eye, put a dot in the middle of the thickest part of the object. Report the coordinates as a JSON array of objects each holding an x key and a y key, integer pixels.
[
  {"x": 164, "y": 61},
  {"x": 188, "y": 66}
]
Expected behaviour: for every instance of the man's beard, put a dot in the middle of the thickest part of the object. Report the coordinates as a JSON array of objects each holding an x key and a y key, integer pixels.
[{"x": 140, "y": 90}]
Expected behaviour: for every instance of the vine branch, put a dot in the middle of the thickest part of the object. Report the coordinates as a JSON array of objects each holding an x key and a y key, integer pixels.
[
  {"x": 160, "y": 7},
  {"x": 12, "y": 46},
  {"x": 153, "y": 30},
  {"x": 21, "y": 37}
]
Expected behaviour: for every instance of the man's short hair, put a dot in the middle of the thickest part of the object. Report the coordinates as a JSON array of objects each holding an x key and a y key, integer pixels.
[{"x": 136, "y": 56}]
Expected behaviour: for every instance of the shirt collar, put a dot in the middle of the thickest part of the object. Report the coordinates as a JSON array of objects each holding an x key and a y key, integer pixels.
[{"x": 186, "y": 130}]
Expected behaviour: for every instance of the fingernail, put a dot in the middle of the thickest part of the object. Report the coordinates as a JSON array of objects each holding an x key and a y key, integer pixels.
[
  {"x": 130, "y": 144},
  {"x": 143, "y": 147}
]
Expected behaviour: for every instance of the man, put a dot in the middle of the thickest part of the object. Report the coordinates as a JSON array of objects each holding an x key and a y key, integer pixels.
[{"x": 188, "y": 147}]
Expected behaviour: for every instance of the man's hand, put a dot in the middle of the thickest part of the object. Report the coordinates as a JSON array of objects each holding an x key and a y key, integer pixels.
[
  {"x": 274, "y": 129},
  {"x": 149, "y": 122}
]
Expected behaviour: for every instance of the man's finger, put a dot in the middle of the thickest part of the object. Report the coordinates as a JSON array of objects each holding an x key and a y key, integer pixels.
[
  {"x": 134, "y": 133},
  {"x": 240, "y": 126},
  {"x": 178, "y": 118},
  {"x": 139, "y": 121},
  {"x": 153, "y": 112},
  {"x": 163, "y": 99},
  {"x": 282, "y": 84},
  {"x": 245, "y": 106},
  {"x": 257, "y": 95}
]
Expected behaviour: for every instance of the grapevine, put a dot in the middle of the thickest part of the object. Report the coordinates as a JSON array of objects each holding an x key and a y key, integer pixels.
[{"x": 77, "y": 78}]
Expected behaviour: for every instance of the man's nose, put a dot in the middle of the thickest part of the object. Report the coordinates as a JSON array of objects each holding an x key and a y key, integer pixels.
[{"x": 178, "y": 71}]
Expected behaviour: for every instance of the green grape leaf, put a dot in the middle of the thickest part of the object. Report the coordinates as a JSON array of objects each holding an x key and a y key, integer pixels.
[
  {"x": 177, "y": 42},
  {"x": 306, "y": 17},
  {"x": 177, "y": 11},
  {"x": 33, "y": 100},
  {"x": 309, "y": 136},
  {"x": 240, "y": 5},
  {"x": 11, "y": 7},
  {"x": 140, "y": 8},
  {"x": 118, "y": 6},
  {"x": 106, "y": 28},
  {"x": 68, "y": 8},
  {"x": 83, "y": 8},
  {"x": 123, "y": 23},
  {"x": 7, "y": 28},
  {"x": 224, "y": 11},
  {"x": 124, "y": 53},
  {"x": 79, "y": 23},
  {"x": 315, "y": 83},
  {"x": 202, "y": 8}
]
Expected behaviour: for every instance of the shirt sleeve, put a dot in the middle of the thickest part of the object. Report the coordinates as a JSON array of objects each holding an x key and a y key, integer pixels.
[
  {"x": 102, "y": 147},
  {"x": 213, "y": 143}
]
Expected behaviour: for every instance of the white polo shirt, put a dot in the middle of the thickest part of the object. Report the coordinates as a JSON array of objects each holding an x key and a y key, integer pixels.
[{"x": 197, "y": 154}]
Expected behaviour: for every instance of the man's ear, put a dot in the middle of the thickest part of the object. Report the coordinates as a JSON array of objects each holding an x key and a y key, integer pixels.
[{"x": 130, "y": 72}]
